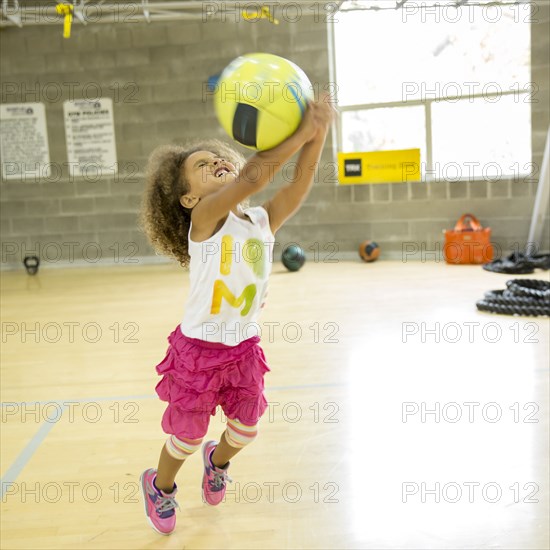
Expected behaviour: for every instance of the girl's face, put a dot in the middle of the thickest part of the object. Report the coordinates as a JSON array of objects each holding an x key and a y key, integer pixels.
[{"x": 206, "y": 173}]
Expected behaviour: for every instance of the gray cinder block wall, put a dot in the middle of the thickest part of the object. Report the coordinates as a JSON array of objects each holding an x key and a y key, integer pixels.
[{"x": 155, "y": 73}]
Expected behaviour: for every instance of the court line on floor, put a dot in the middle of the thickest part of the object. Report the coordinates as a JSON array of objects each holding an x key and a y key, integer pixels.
[
  {"x": 27, "y": 453},
  {"x": 155, "y": 396},
  {"x": 32, "y": 446}
]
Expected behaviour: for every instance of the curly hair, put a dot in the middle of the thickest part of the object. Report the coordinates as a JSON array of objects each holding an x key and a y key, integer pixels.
[{"x": 164, "y": 220}]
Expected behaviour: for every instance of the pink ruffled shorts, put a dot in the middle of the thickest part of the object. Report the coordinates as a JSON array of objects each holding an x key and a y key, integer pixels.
[{"x": 197, "y": 376}]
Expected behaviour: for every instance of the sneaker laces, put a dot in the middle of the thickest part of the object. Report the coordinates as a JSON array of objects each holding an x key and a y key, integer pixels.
[
  {"x": 165, "y": 504},
  {"x": 217, "y": 483}
]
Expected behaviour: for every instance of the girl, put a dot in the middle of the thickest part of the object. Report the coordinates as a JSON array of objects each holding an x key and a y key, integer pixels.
[{"x": 192, "y": 212}]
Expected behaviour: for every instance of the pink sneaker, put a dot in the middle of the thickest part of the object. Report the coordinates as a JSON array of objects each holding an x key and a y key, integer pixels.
[
  {"x": 159, "y": 506},
  {"x": 214, "y": 479}
]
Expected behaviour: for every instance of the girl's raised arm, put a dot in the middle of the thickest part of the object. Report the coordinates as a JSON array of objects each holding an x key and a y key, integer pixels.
[{"x": 254, "y": 176}]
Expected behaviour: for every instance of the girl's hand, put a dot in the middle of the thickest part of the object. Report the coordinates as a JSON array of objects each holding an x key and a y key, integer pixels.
[
  {"x": 324, "y": 115},
  {"x": 317, "y": 120},
  {"x": 308, "y": 126}
]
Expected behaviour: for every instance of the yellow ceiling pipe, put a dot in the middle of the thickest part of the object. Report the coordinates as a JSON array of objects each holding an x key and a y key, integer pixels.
[{"x": 66, "y": 10}]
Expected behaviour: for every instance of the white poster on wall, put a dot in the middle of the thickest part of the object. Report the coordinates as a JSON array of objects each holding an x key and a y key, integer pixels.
[
  {"x": 24, "y": 150},
  {"x": 90, "y": 133}
]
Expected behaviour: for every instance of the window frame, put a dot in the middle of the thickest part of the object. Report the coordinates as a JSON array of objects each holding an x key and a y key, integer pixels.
[{"x": 428, "y": 174}]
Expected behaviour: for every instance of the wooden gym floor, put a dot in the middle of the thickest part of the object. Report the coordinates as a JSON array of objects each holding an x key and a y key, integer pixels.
[{"x": 399, "y": 416}]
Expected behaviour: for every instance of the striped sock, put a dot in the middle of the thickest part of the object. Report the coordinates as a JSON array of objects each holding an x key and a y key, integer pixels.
[
  {"x": 180, "y": 449},
  {"x": 239, "y": 435}
]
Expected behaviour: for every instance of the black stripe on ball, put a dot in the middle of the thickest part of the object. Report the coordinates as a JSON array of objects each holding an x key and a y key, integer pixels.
[
  {"x": 370, "y": 248},
  {"x": 245, "y": 124}
]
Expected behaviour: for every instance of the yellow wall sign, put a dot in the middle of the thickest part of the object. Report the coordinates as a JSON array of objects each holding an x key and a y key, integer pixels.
[{"x": 379, "y": 166}]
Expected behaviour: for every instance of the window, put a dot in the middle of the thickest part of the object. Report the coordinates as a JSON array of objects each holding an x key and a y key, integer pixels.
[
  {"x": 384, "y": 128},
  {"x": 450, "y": 80}
]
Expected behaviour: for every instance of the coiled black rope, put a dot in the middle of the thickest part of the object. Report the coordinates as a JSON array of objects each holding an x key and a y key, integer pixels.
[
  {"x": 529, "y": 297},
  {"x": 529, "y": 287}
]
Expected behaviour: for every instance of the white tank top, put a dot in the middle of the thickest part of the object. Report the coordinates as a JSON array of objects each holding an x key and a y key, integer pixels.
[{"x": 228, "y": 275}]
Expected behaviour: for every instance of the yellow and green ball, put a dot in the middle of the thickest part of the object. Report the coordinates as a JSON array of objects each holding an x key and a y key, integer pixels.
[{"x": 260, "y": 99}]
